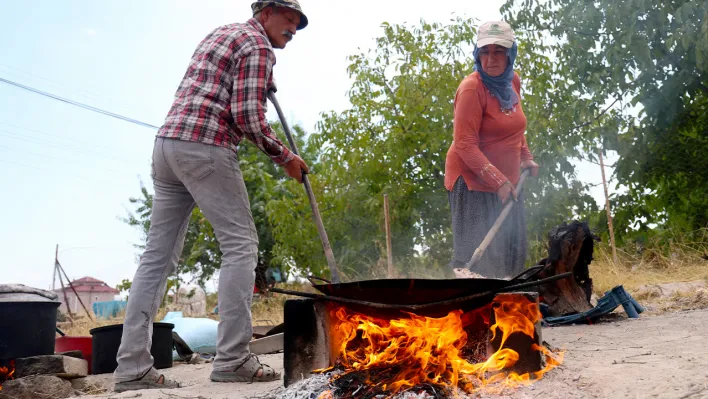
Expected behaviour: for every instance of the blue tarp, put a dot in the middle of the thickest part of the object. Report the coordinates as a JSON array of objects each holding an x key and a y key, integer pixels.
[
  {"x": 198, "y": 333},
  {"x": 608, "y": 303},
  {"x": 108, "y": 309}
]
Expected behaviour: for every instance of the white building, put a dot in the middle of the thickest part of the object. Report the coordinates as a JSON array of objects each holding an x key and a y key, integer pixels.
[{"x": 90, "y": 290}]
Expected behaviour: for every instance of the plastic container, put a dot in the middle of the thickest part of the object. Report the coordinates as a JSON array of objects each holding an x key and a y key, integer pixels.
[
  {"x": 106, "y": 341},
  {"x": 28, "y": 320},
  {"x": 199, "y": 333},
  {"x": 83, "y": 344}
]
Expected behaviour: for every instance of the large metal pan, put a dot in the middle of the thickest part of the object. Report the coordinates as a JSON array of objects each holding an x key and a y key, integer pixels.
[{"x": 417, "y": 291}]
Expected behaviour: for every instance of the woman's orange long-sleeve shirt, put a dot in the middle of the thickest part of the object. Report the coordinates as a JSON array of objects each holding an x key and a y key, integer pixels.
[{"x": 488, "y": 145}]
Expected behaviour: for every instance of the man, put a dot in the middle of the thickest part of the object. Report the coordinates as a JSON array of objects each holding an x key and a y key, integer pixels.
[{"x": 221, "y": 99}]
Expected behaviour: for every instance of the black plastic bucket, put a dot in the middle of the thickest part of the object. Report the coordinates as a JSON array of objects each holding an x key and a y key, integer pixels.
[
  {"x": 106, "y": 340},
  {"x": 27, "y": 329}
]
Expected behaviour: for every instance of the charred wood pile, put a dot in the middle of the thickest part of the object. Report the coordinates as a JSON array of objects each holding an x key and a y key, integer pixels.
[{"x": 570, "y": 249}]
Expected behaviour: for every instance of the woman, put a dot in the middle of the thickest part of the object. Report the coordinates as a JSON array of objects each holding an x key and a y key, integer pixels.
[{"x": 488, "y": 151}]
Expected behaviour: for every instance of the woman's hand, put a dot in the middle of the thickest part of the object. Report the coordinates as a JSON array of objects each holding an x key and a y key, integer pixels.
[
  {"x": 530, "y": 165},
  {"x": 507, "y": 189}
]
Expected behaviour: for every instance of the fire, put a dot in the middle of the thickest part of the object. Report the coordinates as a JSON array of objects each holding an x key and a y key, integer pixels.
[
  {"x": 6, "y": 373},
  {"x": 391, "y": 356}
]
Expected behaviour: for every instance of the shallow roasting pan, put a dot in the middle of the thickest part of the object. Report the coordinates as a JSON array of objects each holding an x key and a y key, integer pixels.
[{"x": 413, "y": 291}]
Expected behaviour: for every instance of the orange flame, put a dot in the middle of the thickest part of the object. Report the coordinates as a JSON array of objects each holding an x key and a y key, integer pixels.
[
  {"x": 6, "y": 373},
  {"x": 326, "y": 395},
  {"x": 399, "y": 354}
]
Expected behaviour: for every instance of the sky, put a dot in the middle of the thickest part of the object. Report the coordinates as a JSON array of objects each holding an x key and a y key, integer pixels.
[{"x": 66, "y": 173}]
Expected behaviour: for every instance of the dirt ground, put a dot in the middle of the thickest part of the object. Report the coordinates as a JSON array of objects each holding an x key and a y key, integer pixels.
[
  {"x": 662, "y": 356},
  {"x": 656, "y": 356},
  {"x": 195, "y": 379}
]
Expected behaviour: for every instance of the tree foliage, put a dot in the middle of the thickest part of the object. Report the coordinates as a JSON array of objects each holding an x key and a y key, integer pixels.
[
  {"x": 624, "y": 76},
  {"x": 394, "y": 140},
  {"x": 639, "y": 69}
]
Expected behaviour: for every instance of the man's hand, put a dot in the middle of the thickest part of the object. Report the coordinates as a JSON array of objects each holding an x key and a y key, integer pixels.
[
  {"x": 295, "y": 167},
  {"x": 530, "y": 165},
  {"x": 507, "y": 189}
]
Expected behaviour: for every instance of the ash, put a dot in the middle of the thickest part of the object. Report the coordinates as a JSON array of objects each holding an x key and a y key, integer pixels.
[
  {"x": 310, "y": 388},
  {"x": 319, "y": 387}
]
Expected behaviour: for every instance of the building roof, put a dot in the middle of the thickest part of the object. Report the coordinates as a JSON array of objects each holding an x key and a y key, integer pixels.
[
  {"x": 90, "y": 284},
  {"x": 87, "y": 280}
]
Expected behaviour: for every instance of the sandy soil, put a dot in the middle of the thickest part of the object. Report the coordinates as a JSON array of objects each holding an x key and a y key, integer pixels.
[
  {"x": 652, "y": 357},
  {"x": 197, "y": 385},
  {"x": 664, "y": 356}
]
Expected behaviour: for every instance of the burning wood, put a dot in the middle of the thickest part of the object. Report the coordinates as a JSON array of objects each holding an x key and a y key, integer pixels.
[
  {"x": 439, "y": 356},
  {"x": 7, "y": 372}
]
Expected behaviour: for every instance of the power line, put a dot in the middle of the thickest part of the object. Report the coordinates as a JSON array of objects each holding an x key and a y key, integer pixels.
[
  {"x": 71, "y": 175},
  {"x": 89, "y": 94},
  {"x": 78, "y": 104},
  {"x": 45, "y": 157},
  {"x": 62, "y": 146},
  {"x": 55, "y": 142}
]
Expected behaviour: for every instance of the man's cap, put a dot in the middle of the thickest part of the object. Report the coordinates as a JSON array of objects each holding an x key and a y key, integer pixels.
[
  {"x": 291, "y": 4},
  {"x": 495, "y": 32}
]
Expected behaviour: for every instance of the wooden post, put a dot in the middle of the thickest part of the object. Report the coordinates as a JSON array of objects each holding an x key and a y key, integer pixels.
[
  {"x": 388, "y": 238},
  {"x": 61, "y": 282},
  {"x": 74, "y": 289},
  {"x": 54, "y": 275},
  {"x": 329, "y": 255},
  {"x": 607, "y": 208}
]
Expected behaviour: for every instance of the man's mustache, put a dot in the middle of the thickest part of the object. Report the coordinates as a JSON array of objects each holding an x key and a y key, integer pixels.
[{"x": 288, "y": 34}]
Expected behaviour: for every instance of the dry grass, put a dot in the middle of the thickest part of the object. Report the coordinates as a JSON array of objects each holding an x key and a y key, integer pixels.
[
  {"x": 82, "y": 325},
  {"x": 93, "y": 388},
  {"x": 266, "y": 310},
  {"x": 686, "y": 300},
  {"x": 647, "y": 276},
  {"x": 269, "y": 309},
  {"x": 652, "y": 267}
]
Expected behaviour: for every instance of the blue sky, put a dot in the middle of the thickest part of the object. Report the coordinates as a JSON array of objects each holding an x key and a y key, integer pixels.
[{"x": 66, "y": 173}]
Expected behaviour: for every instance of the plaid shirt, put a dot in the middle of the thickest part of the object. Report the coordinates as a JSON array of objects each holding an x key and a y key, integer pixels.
[{"x": 222, "y": 96}]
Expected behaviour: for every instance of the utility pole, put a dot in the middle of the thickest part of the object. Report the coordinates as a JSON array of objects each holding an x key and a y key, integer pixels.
[
  {"x": 607, "y": 208},
  {"x": 61, "y": 269},
  {"x": 57, "y": 265},
  {"x": 54, "y": 275}
]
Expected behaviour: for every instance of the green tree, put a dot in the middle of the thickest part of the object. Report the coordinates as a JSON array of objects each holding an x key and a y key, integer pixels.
[
  {"x": 670, "y": 173},
  {"x": 631, "y": 76},
  {"x": 394, "y": 140},
  {"x": 124, "y": 286}
]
